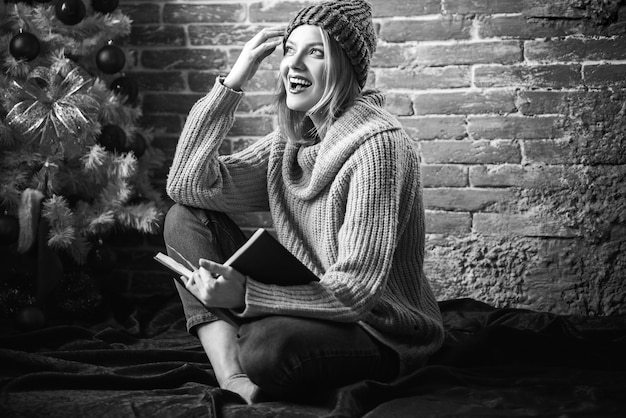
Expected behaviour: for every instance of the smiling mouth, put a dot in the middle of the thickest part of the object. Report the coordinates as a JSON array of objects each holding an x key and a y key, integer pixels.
[{"x": 298, "y": 84}]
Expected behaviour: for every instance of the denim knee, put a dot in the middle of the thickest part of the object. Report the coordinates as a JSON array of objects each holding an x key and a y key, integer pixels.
[
  {"x": 266, "y": 354},
  {"x": 175, "y": 216},
  {"x": 187, "y": 230}
]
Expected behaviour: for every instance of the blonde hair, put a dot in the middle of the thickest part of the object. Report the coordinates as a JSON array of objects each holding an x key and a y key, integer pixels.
[{"x": 340, "y": 90}]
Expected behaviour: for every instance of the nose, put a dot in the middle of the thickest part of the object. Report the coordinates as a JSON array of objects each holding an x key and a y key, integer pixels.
[{"x": 296, "y": 61}]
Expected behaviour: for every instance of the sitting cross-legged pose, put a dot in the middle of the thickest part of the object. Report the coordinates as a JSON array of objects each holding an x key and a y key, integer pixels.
[{"x": 341, "y": 180}]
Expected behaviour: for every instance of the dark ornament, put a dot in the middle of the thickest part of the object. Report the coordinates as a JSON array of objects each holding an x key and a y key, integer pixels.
[
  {"x": 9, "y": 229},
  {"x": 104, "y": 6},
  {"x": 110, "y": 59},
  {"x": 15, "y": 291},
  {"x": 138, "y": 146},
  {"x": 70, "y": 12},
  {"x": 126, "y": 86},
  {"x": 25, "y": 46},
  {"x": 113, "y": 138},
  {"x": 31, "y": 318}
]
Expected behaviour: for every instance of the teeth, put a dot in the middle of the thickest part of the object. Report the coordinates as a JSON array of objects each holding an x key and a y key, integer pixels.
[{"x": 300, "y": 81}]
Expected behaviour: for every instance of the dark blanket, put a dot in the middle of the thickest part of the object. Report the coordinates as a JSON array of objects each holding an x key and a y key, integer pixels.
[{"x": 139, "y": 361}]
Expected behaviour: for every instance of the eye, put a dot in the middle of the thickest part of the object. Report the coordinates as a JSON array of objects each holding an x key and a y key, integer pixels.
[
  {"x": 317, "y": 52},
  {"x": 289, "y": 50}
]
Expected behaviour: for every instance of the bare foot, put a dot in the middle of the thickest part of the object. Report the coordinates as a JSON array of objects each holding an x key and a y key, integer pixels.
[{"x": 243, "y": 386}]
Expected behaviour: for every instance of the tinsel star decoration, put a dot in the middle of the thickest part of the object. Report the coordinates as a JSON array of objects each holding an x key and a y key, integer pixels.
[{"x": 54, "y": 107}]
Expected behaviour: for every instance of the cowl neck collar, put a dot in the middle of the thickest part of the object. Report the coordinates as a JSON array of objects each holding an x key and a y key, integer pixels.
[{"x": 309, "y": 168}]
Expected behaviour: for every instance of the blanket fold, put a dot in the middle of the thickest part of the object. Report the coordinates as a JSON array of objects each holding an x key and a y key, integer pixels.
[{"x": 142, "y": 362}]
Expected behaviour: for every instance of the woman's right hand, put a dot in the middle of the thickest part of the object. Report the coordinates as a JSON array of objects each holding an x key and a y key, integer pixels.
[{"x": 253, "y": 53}]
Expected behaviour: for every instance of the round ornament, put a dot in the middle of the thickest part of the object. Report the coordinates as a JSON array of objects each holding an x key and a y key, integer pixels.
[
  {"x": 15, "y": 291},
  {"x": 104, "y": 6},
  {"x": 70, "y": 12},
  {"x": 110, "y": 59},
  {"x": 126, "y": 86},
  {"x": 25, "y": 46},
  {"x": 31, "y": 318},
  {"x": 9, "y": 229},
  {"x": 113, "y": 138},
  {"x": 138, "y": 146}
]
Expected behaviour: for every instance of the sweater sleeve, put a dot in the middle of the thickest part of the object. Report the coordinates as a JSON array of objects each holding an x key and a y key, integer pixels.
[
  {"x": 378, "y": 173},
  {"x": 200, "y": 177}
]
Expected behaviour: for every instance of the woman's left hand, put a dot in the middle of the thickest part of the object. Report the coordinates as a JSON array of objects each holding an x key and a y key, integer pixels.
[{"x": 218, "y": 286}]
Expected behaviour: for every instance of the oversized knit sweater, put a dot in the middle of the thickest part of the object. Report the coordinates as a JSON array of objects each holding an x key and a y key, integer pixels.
[{"x": 349, "y": 207}]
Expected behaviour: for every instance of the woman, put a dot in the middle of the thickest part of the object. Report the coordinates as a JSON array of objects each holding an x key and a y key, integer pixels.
[{"x": 341, "y": 180}]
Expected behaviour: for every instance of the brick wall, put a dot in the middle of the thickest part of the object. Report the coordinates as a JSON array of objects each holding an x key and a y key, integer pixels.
[{"x": 517, "y": 108}]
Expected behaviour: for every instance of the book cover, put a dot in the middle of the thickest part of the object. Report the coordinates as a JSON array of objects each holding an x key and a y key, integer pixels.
[
  {"x": 262, "y": 258},
  {"x": 265, "y": 259}
]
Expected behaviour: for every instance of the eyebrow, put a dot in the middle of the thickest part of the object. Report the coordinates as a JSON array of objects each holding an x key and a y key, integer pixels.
[{"x": 306, "y": 45}]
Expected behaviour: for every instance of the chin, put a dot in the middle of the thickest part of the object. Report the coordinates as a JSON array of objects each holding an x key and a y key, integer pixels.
[{"x": 298, "y": 107}]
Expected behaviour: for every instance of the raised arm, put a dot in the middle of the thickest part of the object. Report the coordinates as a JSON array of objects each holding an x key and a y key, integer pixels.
[{"x": 199, "y": 176}]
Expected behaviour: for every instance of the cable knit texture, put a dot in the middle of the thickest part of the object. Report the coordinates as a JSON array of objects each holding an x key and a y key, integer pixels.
[{"x": 349, "y": 207}]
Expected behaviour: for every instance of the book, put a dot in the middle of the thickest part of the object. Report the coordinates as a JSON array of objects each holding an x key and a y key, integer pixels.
[{"x": 262, "y": 257}]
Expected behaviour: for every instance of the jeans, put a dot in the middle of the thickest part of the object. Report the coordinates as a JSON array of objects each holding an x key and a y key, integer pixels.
[{"x": 285, "y": 356}]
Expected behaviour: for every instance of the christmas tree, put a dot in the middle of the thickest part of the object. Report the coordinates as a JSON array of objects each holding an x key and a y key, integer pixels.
[{"x": 73, "y": 158}]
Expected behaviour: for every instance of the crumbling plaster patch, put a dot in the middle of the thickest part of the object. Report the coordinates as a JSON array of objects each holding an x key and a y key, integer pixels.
[{"x": 584, "y": 275}]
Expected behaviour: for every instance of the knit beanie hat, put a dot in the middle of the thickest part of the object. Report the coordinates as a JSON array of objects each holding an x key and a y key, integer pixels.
[{"x": 349, "y": 22}]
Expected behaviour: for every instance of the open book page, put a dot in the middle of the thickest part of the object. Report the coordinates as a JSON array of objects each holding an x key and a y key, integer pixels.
[{"x": 173, "y": 265}]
